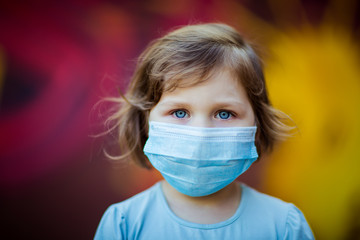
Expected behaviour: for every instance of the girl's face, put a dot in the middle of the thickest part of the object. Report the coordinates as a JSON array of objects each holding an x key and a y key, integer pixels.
[{"x": 221, "y": 101}]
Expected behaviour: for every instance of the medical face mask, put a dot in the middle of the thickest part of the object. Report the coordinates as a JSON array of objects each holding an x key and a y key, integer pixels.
[{"x": 200, "y": 161}]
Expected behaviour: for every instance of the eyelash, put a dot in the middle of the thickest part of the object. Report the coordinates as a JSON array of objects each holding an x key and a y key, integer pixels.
[
  {"x": 232, "y": 114},
  {"x": 173, "y": 113}
]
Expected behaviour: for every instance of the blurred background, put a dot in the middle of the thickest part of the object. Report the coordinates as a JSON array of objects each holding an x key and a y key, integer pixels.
[{"x": 59, "y": 58}]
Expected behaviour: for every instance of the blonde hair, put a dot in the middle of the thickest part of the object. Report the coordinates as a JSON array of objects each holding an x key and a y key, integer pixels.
[{"x": 183, "y": 58}]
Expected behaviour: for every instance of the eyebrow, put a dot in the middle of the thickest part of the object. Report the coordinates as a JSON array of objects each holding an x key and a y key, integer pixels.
[
  {"x": 173, "y": 103},
  {"x": 230, "y": 102},
  {"x": 220, "y": 103},
  {"x": 235, "y": 105}
]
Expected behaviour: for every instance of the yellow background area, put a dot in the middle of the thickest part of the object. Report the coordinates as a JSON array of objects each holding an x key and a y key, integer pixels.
[{"x": 314, "y": 76}]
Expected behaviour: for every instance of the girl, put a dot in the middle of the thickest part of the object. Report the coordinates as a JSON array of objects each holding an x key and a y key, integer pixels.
[{"x": 197, "y": 110}]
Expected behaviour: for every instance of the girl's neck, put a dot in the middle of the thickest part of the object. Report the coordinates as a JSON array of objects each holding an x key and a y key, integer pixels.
[{"x": 210, "y": 209}]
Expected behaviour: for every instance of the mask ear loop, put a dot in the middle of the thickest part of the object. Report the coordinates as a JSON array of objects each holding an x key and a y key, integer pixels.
[
  {"x": 147, "y": 115},
  {"x": 257, "y": 138},
  {"x": 256, "y": 122}
]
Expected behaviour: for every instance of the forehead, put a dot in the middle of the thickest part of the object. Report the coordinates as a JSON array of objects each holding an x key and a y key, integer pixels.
[
  {"x": 222, "y": 82},
  {"x": 175, "y": 80}
]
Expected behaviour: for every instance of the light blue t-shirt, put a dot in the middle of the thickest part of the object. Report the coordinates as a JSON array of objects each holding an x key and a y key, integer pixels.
[{"x": 148, "y": 216}]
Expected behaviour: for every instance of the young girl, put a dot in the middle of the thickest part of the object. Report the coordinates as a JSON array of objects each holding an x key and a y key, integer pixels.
[{"x": 197, "y": 110}]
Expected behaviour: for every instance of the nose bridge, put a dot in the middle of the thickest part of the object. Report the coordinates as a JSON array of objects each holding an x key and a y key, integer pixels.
[{"x": 201, "y": 120}]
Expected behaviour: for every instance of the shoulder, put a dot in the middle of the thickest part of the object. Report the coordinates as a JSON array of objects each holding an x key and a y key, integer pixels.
[
  {"x": 139, "y": 200},
  {"x": 264, "y": 202},
  {"x": 114, "y": 222},
  {"x": 285, "y": 217}
]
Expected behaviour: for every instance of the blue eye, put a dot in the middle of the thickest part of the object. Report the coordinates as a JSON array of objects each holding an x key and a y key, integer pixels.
[
  {"x": 180, "y": 114},
  {"x": 224, "y": 115}
]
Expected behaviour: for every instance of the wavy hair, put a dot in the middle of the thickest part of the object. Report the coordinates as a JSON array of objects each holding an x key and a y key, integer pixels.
[{"x": 185, "y": 57}]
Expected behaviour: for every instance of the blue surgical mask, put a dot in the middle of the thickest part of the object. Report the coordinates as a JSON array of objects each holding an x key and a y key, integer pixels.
[{"x": 200, "y": 161}]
